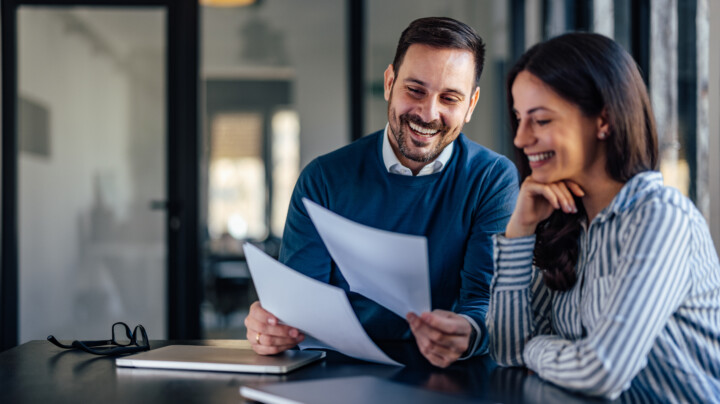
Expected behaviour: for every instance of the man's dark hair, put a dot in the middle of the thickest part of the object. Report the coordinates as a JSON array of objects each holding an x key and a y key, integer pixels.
[{"x": 441, "y": 32}]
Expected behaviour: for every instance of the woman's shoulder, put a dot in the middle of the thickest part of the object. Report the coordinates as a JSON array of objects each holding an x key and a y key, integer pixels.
[
  {"x": 647, "y": 191},
  {"x": 646, "y": 206}
]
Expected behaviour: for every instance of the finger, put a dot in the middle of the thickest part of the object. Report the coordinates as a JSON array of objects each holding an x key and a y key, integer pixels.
[
  {"x": 547, "y": 193},
  {"x": 565, "y": 197},
  {"x": 447, "y": 322},
  {"x": 270, "y": 350},
  {"x": 279, "y": 330},
  {"x": 269, "y": 340},
  {"x": 262, "y": 315},
  {"x": 438, "y": 355},
  {"x": 426, "y": 335},
  {"x": 575, "y": 188}
]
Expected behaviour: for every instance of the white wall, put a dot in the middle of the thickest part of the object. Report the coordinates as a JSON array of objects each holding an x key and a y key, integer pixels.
[{"x": 307, "y": 45}]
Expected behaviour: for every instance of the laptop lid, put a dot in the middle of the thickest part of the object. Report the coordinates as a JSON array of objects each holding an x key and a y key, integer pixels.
[
  {"x": 348, "y": 390},
  {"x": 219, "y": 359}
]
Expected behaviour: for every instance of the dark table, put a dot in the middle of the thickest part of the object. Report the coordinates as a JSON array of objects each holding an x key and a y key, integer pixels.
[{"x": 37, "y": 371}]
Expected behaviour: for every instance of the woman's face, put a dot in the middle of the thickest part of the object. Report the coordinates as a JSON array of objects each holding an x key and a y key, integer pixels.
[{"x": 560, "y": 142}]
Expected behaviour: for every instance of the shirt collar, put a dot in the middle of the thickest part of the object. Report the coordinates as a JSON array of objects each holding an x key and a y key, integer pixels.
[
  {"x": 393, "y": 165},
  {"x": 634, "y": 189}
]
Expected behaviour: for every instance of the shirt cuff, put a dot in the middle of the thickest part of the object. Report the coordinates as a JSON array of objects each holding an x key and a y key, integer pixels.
[
  {"x": 536, "y": 352},
  {"x": 513, "y": 259},
  {"x": 478, "y": 337}
]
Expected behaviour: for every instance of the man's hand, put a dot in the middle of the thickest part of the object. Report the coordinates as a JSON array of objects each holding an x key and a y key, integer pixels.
[
  {"x": 265, "y": 333},
  {"x": 442, "y": 336}
]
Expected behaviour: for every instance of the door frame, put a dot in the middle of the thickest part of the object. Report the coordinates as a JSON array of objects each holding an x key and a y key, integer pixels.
[{"x": 183, "y": 159}]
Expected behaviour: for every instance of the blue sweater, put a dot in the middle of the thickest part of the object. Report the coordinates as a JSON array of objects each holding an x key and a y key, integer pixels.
[{"x": 458, "y": 209}]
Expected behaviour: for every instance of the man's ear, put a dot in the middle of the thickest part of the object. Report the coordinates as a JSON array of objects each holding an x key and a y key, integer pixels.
[
  {"x": 389, "y": 80},
  {"x": 473, "y": 102}
]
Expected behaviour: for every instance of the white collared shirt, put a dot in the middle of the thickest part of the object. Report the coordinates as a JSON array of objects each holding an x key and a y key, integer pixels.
[{"x": 394, "y": 166}]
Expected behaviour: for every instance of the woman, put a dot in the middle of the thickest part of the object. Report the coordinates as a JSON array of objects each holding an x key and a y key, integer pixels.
[{"x": 604, "y": 277}]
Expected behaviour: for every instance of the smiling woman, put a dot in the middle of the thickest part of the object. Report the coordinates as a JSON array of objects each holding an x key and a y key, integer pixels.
[{"x": 589, "y": 291}]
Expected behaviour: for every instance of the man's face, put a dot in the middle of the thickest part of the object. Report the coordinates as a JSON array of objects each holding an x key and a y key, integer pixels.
[{"x": 430, "y": 98}]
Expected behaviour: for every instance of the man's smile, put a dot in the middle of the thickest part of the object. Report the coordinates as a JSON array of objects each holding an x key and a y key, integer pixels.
[{"x": 424, "y": 132}]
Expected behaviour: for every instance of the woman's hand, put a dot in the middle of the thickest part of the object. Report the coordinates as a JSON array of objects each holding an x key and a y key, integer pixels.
[{"x": 536, "y": 202}]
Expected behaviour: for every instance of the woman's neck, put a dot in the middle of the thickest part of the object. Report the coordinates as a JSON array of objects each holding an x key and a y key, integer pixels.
[{"x": 598, "y": 195}]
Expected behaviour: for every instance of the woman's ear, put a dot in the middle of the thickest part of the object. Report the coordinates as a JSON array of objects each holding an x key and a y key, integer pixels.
[{"x": 603, "y": 124}]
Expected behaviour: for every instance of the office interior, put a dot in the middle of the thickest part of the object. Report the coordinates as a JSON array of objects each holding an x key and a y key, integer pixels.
[{"x": 95, "y": 147}]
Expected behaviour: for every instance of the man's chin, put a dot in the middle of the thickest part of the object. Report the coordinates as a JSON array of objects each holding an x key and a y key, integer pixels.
[{"x": 419, "y": 158}]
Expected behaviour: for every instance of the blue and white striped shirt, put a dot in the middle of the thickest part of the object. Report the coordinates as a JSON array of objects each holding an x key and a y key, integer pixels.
[{"x": 645, "y": 310}]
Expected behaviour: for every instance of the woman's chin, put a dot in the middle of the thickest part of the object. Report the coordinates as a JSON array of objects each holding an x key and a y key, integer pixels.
[{"x": 543, "y": 178}]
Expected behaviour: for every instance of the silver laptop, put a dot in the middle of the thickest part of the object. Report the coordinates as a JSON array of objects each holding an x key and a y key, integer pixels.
[
  {"x": 348, "y": 390},
  {"x": 219, "y": 359}
]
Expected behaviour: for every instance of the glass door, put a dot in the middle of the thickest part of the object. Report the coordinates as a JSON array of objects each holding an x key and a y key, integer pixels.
[
  {"x": 99, "y": 168},
  {"x": 91, "y": 161}
]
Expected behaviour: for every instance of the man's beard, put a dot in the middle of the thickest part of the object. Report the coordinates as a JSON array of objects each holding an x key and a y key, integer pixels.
[{"x": 401, "y": 137}]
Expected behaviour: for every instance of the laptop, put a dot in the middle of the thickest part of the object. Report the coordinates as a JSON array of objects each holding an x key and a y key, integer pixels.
[
  {"x": 348, "y": 390},
  {"x": 219, "y": 359}
]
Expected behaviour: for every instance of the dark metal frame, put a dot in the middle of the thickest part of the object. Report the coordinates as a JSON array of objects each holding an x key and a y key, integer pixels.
[
  {"x": 183, "y": 259},
  {"x": 688, "y": 88},
  {"x": 640, "y": 36},
  {"x": 356, "y": 66}
]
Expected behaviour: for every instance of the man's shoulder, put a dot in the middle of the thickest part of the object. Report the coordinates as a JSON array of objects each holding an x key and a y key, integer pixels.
[{"x": 476, "y": 158}]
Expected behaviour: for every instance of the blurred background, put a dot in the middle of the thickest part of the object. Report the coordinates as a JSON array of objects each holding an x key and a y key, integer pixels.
[{"x": 95, "y": 145}]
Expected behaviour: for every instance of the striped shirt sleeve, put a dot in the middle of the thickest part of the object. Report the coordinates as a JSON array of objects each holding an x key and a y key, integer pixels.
[
  {"x": 648, "y": 283},
  {"x": 520, "y": 304}
]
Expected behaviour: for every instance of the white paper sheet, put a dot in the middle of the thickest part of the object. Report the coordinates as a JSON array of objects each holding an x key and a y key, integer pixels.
[
  {"x": 389, "y": 268},
  {"x": 316, "y": 308}
]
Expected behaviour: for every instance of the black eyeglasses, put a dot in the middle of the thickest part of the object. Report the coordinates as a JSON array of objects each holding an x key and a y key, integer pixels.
[{"x": 123, "y": 342}]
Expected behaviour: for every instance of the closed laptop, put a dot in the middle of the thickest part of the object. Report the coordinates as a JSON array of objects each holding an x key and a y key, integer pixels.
[{"x": 219, "y": 359}]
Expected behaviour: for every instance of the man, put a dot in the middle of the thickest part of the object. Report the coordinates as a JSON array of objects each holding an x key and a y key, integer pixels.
[{"x": 419, "y": 176}]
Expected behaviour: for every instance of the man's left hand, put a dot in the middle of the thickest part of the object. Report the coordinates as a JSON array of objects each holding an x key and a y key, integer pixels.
[{"x": 442, "y": 336}]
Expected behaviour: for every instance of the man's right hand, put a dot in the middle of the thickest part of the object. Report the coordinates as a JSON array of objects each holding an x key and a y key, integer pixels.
[{"x": 265, "y": 333}]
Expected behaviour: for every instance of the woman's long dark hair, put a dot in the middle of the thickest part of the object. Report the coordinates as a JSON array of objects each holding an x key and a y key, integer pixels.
[{"x": 596, "y": 74}]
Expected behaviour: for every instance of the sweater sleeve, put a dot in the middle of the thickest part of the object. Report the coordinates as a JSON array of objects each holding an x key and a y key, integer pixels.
[
  {"x": 520, "y": 304},
  {"x": 494, "y": 207},
  {"x": 650, "y": 279},
  {"x": 302, "y": 249}
]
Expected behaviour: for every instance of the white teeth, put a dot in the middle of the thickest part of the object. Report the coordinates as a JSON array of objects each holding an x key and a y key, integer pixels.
[
  {"x": 534, "y": 158},
  {"x": 420, "y": 129}
]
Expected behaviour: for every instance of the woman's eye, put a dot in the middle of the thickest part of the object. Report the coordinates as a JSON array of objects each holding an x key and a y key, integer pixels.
[{"x": 542, "y": 122}]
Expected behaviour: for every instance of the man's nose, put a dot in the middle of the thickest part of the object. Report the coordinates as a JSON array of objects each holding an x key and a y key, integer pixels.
[{"x": 430, "y": 110}]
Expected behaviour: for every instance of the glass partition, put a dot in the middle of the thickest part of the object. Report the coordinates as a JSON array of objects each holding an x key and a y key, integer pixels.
[{"x": 91, "y": 128}]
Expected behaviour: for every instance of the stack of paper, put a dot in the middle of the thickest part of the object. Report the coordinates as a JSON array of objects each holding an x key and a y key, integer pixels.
[{"x": 389, "y": 268}]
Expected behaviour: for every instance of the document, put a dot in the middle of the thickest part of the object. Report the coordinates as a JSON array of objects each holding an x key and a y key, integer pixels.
[
  {"x": 388, "y": 268},
  {"x": 316, "y": 308}
]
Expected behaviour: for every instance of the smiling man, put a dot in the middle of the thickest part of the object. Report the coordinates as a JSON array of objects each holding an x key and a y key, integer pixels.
[{"x": 421, "y": 176}]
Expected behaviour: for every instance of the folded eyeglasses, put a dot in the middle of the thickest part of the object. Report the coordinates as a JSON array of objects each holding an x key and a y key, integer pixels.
[{"x": 123, "y": 341}]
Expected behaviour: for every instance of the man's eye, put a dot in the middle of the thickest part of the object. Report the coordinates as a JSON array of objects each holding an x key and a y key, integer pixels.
[
  {"x": 451, "y": 100},
  {"x": 415, "y": 91}
]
